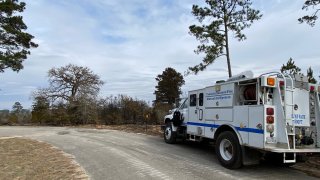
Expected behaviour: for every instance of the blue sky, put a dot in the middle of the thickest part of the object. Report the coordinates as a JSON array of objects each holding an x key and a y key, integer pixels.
[{"x": 128, "y": 43}]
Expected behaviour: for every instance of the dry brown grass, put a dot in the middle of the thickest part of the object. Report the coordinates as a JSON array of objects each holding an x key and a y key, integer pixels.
[
  {"x": 154, "y": 130},
  {"x": 311, "y": 166},
  {"x": 30, "y": 159}
]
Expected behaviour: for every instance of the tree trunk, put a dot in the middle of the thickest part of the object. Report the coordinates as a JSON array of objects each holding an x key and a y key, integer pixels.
[
  {"x": 227, "y": 41},
  {"x": 228, "y": 55}
]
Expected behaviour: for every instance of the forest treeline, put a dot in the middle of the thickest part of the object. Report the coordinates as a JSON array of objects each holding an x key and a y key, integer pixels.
[
  {"x": 71, "y": 98},
  {"x": 112, "y": 110}
]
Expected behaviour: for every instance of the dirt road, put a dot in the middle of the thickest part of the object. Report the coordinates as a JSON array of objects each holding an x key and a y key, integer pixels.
[{"x": 109, "y": 154}]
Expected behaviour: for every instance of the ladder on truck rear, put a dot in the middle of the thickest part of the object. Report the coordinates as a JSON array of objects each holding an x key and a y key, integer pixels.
[{"x": 288, "y": 112}]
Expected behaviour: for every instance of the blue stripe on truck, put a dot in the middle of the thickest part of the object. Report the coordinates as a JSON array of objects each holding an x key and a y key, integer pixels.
[{"x": 250, "y": 130}]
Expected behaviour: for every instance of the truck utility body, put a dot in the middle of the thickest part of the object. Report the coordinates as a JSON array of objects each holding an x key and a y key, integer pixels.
[{"x": 273, "y": 112}]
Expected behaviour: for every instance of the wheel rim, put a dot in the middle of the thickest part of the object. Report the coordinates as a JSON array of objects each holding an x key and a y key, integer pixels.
[
  {"x": 167, "y": 132},
  {"x": 226, "y": 149}
]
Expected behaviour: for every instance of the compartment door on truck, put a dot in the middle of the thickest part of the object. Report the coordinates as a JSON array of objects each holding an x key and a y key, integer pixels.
[{"x": 297, "y": 103}]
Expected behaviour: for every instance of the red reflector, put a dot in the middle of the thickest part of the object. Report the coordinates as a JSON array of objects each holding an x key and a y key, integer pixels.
[
  {"x": 312, "y": 88},
  {"x": 270, "y": 111},
  {"x": 281, "y": 83},
  {"x": 270, "y": 119}
]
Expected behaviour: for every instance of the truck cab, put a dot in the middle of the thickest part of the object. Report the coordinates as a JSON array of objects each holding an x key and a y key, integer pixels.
[
  {"x": 181, "y": 106},
  {"x": 175, "y": 120}
]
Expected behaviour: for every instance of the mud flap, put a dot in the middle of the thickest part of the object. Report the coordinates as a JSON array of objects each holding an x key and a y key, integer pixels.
[{"x": 250, "y": 156}]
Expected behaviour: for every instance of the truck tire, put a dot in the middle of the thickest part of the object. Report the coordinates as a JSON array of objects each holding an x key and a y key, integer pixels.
[
  {"x": 169, "y": 135},
  {"x": 228, "y": 150}
]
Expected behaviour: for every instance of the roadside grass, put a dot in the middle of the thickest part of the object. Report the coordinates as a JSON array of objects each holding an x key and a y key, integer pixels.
[
  {"x": 154, "y": 130},
  {"x": 311, "y": 166},
  {"x": 29, "y": 159}
]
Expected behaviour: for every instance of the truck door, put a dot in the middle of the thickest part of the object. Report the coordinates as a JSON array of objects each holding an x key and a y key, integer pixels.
[
  {"x": 193, "y": 111},
  {"x": 195, "y": 120},
  {"x": 184, "y": 110},
  {"x": 200, "y": 106}
]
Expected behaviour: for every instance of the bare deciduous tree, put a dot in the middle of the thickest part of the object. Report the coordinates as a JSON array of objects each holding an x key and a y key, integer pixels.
[{"x": 71, "y": 82}]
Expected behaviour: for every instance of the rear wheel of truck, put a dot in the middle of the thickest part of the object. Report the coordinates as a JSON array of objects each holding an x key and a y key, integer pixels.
[
  {"x": 169, "y": 135},
  {"x": 228, "y": 150}
]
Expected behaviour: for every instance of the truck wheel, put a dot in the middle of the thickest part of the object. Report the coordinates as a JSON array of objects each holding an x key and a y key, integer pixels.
[
  {"x": 169, "y": 135},
  {"x": 228, "y": 150}
]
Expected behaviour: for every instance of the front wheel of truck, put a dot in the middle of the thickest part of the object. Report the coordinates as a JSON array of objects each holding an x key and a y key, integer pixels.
[{"x": 169, "y": 135}]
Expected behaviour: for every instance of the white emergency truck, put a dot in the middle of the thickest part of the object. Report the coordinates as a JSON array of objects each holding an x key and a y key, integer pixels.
[{"x": 248, "y": 117}]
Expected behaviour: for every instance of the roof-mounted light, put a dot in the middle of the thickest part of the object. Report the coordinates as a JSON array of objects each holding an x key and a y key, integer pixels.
[
  {"x": 268, "y": 81},
  {"x": 271, "y": 81}
]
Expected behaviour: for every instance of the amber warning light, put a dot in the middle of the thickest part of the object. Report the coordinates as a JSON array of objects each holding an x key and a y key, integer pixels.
[{"x": 271, "y": 81}]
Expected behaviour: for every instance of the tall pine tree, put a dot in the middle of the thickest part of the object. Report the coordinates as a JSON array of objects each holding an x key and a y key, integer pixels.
[
  {"x": 14, "y": 41},
  {"x": 218, "y": 19}
]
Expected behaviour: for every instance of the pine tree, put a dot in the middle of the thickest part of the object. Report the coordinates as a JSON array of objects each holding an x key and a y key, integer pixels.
[
  {"x": 169, "y": 86},
  {"x": 217, "y": 19},
  {"x": 310, "y": 19},
  {"x": 311, "y": 79},
  {"x": 14, "y": 41},
  {"x": 290, "y": 68}
]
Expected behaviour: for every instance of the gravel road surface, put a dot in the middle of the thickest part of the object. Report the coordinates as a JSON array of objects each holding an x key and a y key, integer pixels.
[{"x": 109, "y": 154}]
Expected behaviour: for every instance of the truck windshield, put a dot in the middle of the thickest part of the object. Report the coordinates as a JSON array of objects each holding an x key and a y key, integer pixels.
[{"x": 180, "y": 102}]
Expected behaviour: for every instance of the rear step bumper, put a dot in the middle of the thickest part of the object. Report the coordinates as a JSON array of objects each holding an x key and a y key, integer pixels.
[{"x": 279, "y": 150}]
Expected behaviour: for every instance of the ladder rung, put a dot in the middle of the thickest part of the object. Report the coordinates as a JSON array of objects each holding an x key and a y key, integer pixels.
[{"x": 289, "y": 161}]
